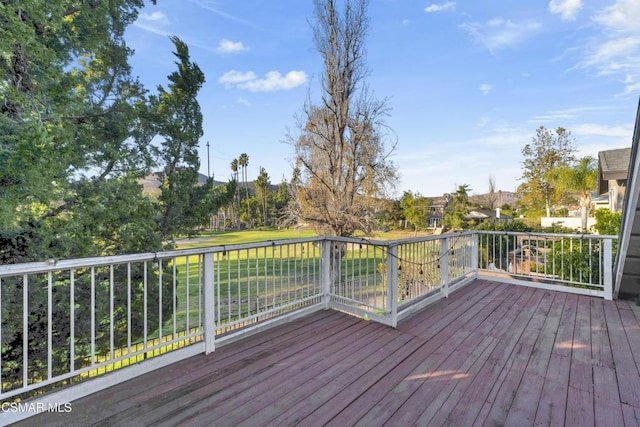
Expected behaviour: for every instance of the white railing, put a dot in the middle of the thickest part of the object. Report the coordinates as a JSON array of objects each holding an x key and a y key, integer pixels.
[
  {"x": 572, "y": 262},
  {"x": 64, "y": 322}
]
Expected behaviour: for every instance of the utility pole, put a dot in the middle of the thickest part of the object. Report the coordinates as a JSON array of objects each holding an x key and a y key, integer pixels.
[{"x": 208, "y": 162}]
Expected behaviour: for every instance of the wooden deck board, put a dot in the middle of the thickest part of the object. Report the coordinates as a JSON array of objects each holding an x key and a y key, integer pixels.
[
  {"x": 467, "y": 358},
  {"x": 490, "y": 354},
  {"x": 396, "y": 398},
  {"x": 489, "y": 399},
  {"x": 248, "y": 371}
]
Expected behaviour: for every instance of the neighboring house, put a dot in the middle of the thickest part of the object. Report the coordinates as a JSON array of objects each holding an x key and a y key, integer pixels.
[
  {"x": 599, "y": 201},
  {"x": 436, "y": 210},
  {"x": 493, "y": 216},
  {"x": 613, "y": 168}
]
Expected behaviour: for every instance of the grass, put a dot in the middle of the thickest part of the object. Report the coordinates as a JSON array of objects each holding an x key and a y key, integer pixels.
[{"x": 264, "y": 234}]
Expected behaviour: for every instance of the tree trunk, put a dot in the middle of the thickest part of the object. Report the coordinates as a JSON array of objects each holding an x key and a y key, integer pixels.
[{"x": 584, "y": 214}]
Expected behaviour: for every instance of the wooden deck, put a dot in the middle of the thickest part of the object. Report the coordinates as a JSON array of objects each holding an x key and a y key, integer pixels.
[{"x": 490, "y": 354}]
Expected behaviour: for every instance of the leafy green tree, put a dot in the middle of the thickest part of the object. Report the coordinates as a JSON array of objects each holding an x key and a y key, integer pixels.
[
  {"x": 178, "y": 120},
  {"x": 279, "y": 202},
  {"x": 607, "y": 222},
  {"x": 455, "y": 214},
  {"x": 70, "y": 115},
  {"x": 262, "y": 191},
  {"x": 75, "y": 136},
  {"x": 548, "y": 150},
  {"x": 415, "y": 208},
  {"x": 580, "y": 178},
  {"x": 390, "y": 213}
]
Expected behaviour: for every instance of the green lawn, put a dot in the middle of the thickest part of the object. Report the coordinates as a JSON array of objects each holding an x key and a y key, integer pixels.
[
  {"x": 266, "y": 234},
  {"x": 243, "y": 236}
]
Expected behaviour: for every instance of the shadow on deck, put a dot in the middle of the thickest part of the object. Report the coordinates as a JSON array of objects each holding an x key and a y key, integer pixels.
[{"x": 491, "y": 353}]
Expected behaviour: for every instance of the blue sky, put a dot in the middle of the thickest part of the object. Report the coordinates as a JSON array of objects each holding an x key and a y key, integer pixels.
[{"x": 468, "y": 81}]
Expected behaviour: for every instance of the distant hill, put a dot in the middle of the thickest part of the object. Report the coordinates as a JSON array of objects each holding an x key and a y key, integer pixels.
[{"x": 502, "y": 197}]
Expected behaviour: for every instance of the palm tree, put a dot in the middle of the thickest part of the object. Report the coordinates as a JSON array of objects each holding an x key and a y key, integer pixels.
[
  {"x": 580, "y": 178},
  {"x": 243, "y": 161}
]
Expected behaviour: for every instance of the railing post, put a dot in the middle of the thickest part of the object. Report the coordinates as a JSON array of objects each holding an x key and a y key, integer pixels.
[
  {"x": 209, "y": 317},
  {"x": 392, "y": 283},
  {"x": 444, "y": 265},
  {"x": 608, "y": 269},
  {"x": 325, "y": 274},
  {"x": 474, "y": 254}
]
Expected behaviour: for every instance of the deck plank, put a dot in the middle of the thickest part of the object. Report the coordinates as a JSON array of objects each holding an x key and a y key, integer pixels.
[
  {"x": 580, "y": 405},
  {"x": 385, "y": 408},
  {"x": 149, "y": 387},
  {"x": 454, "y": 390},
  {"x": 626, "y": 368},
  {"x": 320, "y": 379},
  {"x": 457, "y": 408},
  {"x": 215, "y": 384},
  {"x": 600, "y": 344},
  {"x": 552, "y": 404},
  {"x": 525, "y": 403},
  {"x": 489, "y": 354},
  {"x": 505, "y": 364},
  {"x": 371, "y": 397}
]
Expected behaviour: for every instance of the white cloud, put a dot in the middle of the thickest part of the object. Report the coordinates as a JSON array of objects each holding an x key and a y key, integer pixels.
[
  {"x": 566, "y": 114},
  {"x": 621, "y": 17},
  {"x": 212, "y": 6},
  {"x": 632, "y": 85},
  {"x": 485, "y": 88},
  {"x": 443, "y": 7},
  {"x": 153, "y": 22},
  {"x": 157, "y": 16},
  {"x": 272, "y": 81},
  {"x": 498, "y": 33},
  {"x": 616, "y": 51},
  {"x": 227, "y": 46},
  {"x": 591, "y": 129},
  {"x": 474, "y": 160},
  {"x": 567, "y": 9},
  {"x": 234, "y": 77}
]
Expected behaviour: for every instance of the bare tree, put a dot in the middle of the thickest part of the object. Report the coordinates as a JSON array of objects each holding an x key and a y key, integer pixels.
[{"x": 341, "y": 150}]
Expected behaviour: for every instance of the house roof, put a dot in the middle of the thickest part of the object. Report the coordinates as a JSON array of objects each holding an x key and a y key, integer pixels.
[
  {"x": 440, "y": 201},
  {"x": 614, "y": 164}
]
